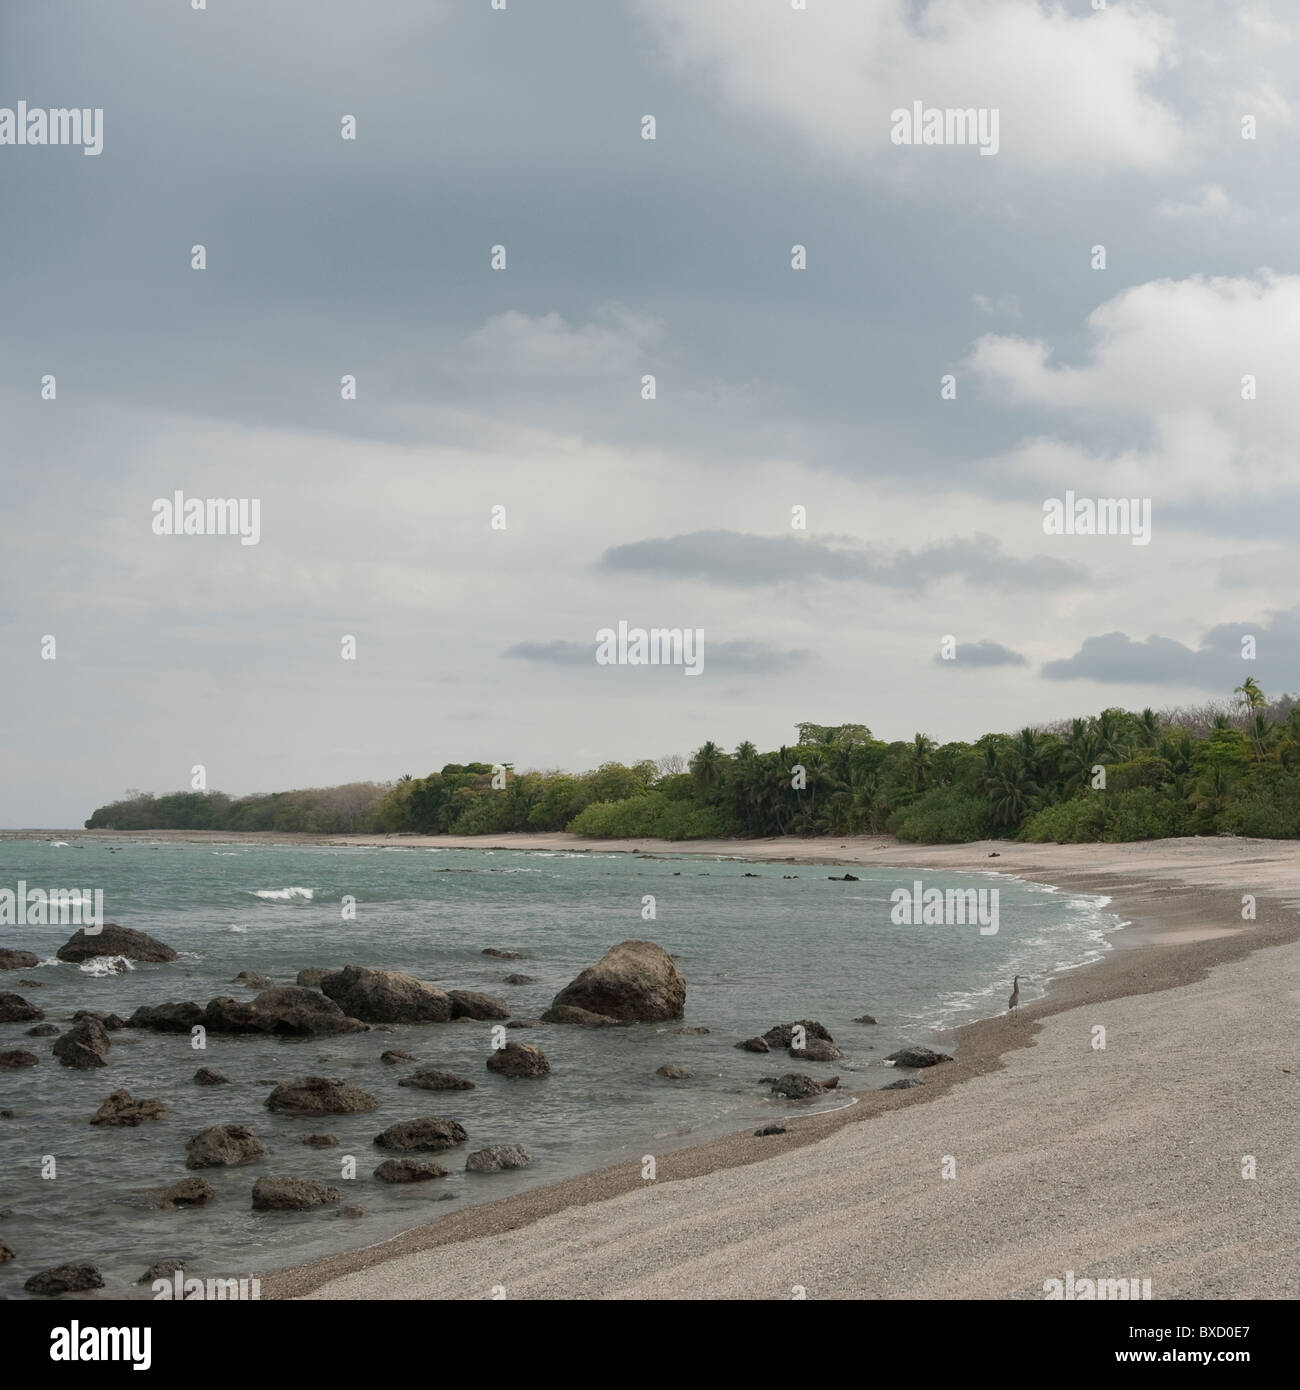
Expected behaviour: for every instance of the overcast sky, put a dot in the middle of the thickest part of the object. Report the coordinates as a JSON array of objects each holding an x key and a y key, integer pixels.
[{"x": 522, "y": 388}]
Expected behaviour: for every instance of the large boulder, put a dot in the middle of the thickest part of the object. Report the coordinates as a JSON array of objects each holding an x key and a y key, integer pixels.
[
  {"x": 17, "y": 960},
  {"x": 167, "y": 1018},
  {"x": 320, "y": 1095},
  {"x": 498, "y": 1158},
  {"x": 226, "y": 1015},
  {"x": 386, "y": 996},
  {"x": 917, "y": 1057},
  {"x": 112, "y": 940},
  {"x": 430, "y": 1135},
  {"x": 519, "y": 1059},
  {"x": 635, "y": 981},
  {"x": 295, "y": 1010},
  {"x": 15, "y": 1009},
  {"x": 120, "y": 1109},
  {"x": 469, "y": 1003},
  {"x": 224, "y": 1146},
  {"x": 292, "y": 1194},
  {"x": 84, "y": 1045},
  {"x": 64, "y": 1279}
]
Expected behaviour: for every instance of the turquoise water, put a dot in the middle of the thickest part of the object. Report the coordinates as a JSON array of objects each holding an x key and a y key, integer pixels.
[{"x": 755, "y": 951}]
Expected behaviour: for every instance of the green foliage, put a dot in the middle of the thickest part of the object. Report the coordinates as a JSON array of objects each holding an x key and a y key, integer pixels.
[
  {"x": 648, "y": 814},
  {"x": 1068, "y": 822},
  {"x": 944, "y": 816}
]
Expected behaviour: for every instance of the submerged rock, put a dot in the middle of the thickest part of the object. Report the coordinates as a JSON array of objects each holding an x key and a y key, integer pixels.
[
  {"x": 64, "y": 1279},
  {"x": 386, "y": 996},
  {"x": 112, "y": 940},
  {"x": 754, "y": 1045},
  {"x": 321, "y": 1095},
  {"x": 430, "y": 1080},
  {"x": 409, "y": 1170},
  {"x": 518, "y": 980},
  {"x": 6, "y": 1252},
  {"x": 164, "y": 1269},
  {"x": 674, "y": 1072},
  {"x": 43, "y": 1030},
  {"x": 917, "y": 1057},
  {"x": 254, "y": 979},
  {"x": 635, "y": 982},
  {"x": 783, "y": 1034},
  {"x": 429, "y": 1135},
  {"x": 319, "y": 1141},
  {"x": 584, "y": 1018},
  {"x": 224, "y": 1146},
  {"x": 84, "y": 1045},
  {"x": 15, "y": 1009},
  {"x": 498, "y": 1158},
  {"x": 189, "y": 1192},
  {"x": 120, "y": 1109},
  {"x": 17, "y": 1059},
  {"x": 167, "y": 1018},
  {"x": 292, "y": 1194},
  {"x": 393, "y": 1056},
  {"x": 111, "y": 1022},
  {"x": 502, "y": 955},
  {"x": 695, "y": 1031},
  {"x": 864, "y": 1018},
  {"x": 519, "y": 1059},
  {"x": 17, "y": 960},
  {"x": 210, "y": 1076},
  {"x": 796, "y": 1086}
]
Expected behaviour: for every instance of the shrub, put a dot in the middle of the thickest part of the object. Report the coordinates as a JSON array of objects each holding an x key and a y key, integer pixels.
[{"x": 944, "y": 816}]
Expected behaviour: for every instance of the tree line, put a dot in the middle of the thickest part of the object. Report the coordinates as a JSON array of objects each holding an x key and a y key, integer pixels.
[{"x": 1227, "y": 768}]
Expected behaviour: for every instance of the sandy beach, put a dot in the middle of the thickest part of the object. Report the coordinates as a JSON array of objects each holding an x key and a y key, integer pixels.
[{"x": 1119, "y": 1162}]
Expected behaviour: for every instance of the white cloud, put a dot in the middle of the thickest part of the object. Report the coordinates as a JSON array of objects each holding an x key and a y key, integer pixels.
[
  {"x": 616, "y": 340},
  {"x": 1070, "y": 89}
]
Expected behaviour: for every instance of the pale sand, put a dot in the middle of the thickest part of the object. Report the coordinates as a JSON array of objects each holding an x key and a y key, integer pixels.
[{"x": 1119, "y": 1163}]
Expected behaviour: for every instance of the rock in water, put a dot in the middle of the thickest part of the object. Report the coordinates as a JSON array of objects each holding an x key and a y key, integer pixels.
[
  {"x": 515, "y": 979},
  {"x": 395, "y": 1055},
  {"x": 189, "y": 1192},
  {"x": 815, "y": 1050},
  {"x": 17, "y": 960},
  {"x": 321, "y": 1095},
  {"x": 386, "y": 996},
  {"x": 519, "y": 1059},
  {"x": 409, "y": 1170},
  {"x": 502, "y": 955},
  {"x": 320, "y": 1141},
  {"x": 469, "y": 1003},
  {"x": 430, "y": 1135},
  {"x": 112, "y": 940},
  {"x": 795, "y": 1085},
  {"x": 17, "y": 1059},
  {"x": 312, "y": 976},
  {"x": 210, "y": 1076},
  {"x": 15, "y": 1009},
  {"x": 675, "y": 1073},
  {"x": 584, "y": 1018},
  {"x": 64, "y": 1279},
  {"x": 254, "y": 979},
  {"x": 167, "y": 1018},
  {"x": 917, "y": 1057},
  {"x": 635, "y": 982},
  {"x": 84, "y": 1045},
  {"x": 224, "y": 1146},
  {"x": 294, "y": 1010},
  {"x": 43, "y": 1030},
  {"x": 164, "y": 1269},
  {"x": 430, "y": 1080},
  {"x": 754, "y": 1045},
  {"x": 498, "y": 1158},
  {"x": 6, "y": 1252},
  {"x": 864, "y": 1018},
  {"x": 783, "y": 1034},
  {"x": 110, "y": 1021},
  {"x": 120, "y": 1109},
  {"x": 292, "y": 1194}
]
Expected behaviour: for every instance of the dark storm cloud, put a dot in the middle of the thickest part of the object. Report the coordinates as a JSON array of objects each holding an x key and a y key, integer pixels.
[{"x": 747, "y": 561}]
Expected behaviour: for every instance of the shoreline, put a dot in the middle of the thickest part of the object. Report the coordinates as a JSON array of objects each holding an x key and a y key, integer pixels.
[
  {"x": 1176, "y": 933},
  {"x": 1182, "y": 903}
]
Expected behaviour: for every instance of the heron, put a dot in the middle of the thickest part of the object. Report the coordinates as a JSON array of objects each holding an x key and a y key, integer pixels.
[{"x": 1013, "y": 1004}]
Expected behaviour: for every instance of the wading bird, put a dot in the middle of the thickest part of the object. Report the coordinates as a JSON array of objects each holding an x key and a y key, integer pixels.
[{"x": 1013, "y": 1004}]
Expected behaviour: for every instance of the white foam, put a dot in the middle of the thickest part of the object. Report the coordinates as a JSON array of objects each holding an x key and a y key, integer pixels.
[
  {"x": 283, "y": 894},
  {"x": 106, "y": 965}
]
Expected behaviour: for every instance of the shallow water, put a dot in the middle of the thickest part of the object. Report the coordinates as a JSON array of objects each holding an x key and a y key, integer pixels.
[{"x": 755, "y": 951}]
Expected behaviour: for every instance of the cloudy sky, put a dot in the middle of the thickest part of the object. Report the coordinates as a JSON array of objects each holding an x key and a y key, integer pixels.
[{"x": 521, "y": 388}]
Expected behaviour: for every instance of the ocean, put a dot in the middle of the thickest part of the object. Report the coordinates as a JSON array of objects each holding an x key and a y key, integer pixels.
[{"x": 758, "y": 944}]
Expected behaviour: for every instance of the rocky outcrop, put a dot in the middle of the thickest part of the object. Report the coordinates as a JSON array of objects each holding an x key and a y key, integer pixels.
[
  {"x": 84, "y": 1045},
  {"x": 17, "y": 1059},
  {"x": 386, "y": 996},
  {"x": 795, "y": 1085},
  {"x": 783, "y": 1034},
  {"x": 64, "y": 1279},
  {"x": 110, "y": 1021},
  {"x": 635, "y": 982},
  {"x": 321, "y": 1095},
  {"x": 15, "y": 1009},
  {"x": 292, "y": 1194},
  {"x": 469, "y": 1003},
  {"x": 917, "y": 1057},
  {"x": 296, "y": 1011},
  {"x": 673, "y": 1072},
  {"x": 519, "y": 1059},
  {"x": 430, "y": 1080},
  {"x": 120, "y": 1109},
  {"x": 429, "y": 1135},
  {"x": 312, "y": 976},
  {"x": 112, "y": 940},
  {"x": 224, "y": 1146},
  {"x": 498, "y": 1158},
  {"x": 583, "y": 1018},
  {"x": 210, "y": 1076},
  {"x": 409, "y": 1170},
  {"x": 167, "y": 1018},
  {"x": 17, "y": 960}
]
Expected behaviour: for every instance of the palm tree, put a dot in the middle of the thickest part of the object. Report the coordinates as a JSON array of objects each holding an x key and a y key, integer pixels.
[
  {"x": 707, "y": 765},
  {"x": 920, "y": 757},
  {"x": 1147, "y": 728},
  {"x": 1251, "y": 700}
]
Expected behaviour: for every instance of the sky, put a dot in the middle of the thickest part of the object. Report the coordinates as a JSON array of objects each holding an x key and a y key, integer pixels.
[{"x": 841, "y": 477}]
